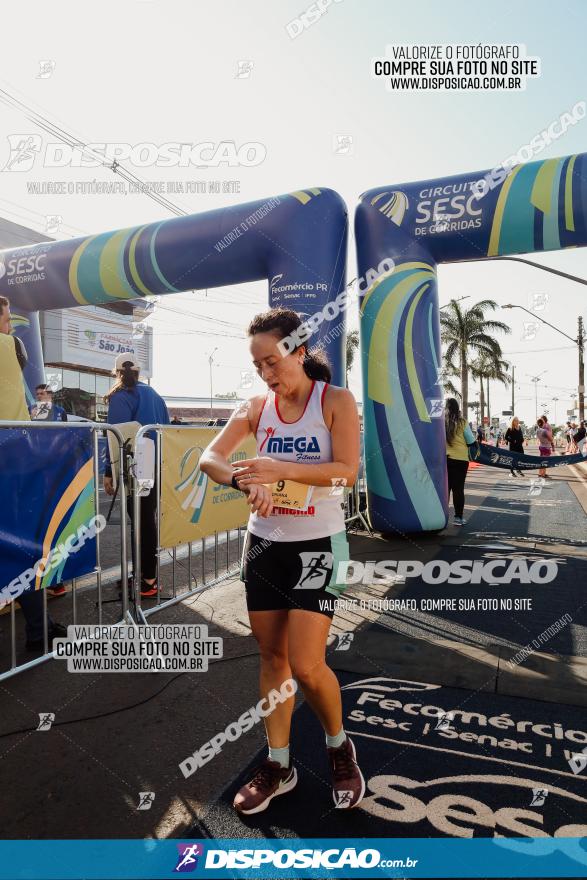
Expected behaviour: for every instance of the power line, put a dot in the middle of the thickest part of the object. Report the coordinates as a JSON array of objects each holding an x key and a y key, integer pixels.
[{"x": 61, "y": 134}]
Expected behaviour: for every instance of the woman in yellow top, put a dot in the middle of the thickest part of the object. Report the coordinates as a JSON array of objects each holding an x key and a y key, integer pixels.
[{"x": 458, "y": 438}]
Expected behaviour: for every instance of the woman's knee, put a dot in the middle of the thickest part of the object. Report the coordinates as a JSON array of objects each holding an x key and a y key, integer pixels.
[
  {"x": 307, "y": 673},
  {"x": 274, "y": 657}
]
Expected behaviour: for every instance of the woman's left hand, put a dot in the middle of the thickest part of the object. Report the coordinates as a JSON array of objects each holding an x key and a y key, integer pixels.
[{"x": 258, "y": 470}]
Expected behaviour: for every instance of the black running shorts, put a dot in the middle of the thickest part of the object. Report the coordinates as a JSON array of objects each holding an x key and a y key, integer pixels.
[{"x": 283, "y": 575}]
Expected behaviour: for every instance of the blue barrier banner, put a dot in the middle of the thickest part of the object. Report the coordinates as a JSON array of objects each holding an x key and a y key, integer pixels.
[
  {"x": 496, "y": 456},
  {"x": 48, "y": 476},
  {"x": 271, "y": 858},
  {"x": 102, "y": 455}
]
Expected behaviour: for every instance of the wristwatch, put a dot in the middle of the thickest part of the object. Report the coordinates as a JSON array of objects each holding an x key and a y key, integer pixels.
[{"x": 234, "y": 483}]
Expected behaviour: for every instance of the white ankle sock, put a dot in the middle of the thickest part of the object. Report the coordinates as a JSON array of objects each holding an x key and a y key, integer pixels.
[
  {"x": 333, "y": 742},
  {"x": 280, "y": 755}
]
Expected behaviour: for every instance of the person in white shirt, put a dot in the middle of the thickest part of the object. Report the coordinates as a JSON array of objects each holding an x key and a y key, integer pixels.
[{"x": 307, "y": 431}]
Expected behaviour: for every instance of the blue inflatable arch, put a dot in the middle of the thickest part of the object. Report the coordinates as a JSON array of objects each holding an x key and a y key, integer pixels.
[
  {"x": 296, "y": 241},
  {"x": 539, "y": 206}
]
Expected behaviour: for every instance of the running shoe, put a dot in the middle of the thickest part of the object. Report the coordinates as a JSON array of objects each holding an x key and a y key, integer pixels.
[
  {"x": 58, "y": 590},
  {"x": 269, "y": 780},
  {"x": 512, "y": 474},
  {"x": 521, "y": 474},
  {"x": 148, "y": 591},
  {"x": 459, "y": 521},
  {"x": 348, "y": 784}
]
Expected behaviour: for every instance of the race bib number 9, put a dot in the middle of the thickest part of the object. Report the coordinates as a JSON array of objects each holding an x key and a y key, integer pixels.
[{"x": 292, "y": 495}]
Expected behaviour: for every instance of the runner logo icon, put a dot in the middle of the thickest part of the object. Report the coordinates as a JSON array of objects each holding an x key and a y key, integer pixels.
[
  {"x": 315, "y": 569},
  {"x": 539, "y": 796},
  {"x": 188, "y": 854}
]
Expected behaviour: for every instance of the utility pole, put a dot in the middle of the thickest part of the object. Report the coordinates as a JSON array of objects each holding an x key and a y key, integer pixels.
[
  {"x": 536, "y": 380},
  {"x": 580, "y": 344},
  {"x": 579, "y": 341},
  {"x": 513, "y": 392},
  {"x": 555, "y": 401}
]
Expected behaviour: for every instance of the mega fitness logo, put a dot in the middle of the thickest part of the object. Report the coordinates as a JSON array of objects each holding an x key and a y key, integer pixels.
[
  {"x": 304, "y": 447},
  {"x": 25, "y": 269}
]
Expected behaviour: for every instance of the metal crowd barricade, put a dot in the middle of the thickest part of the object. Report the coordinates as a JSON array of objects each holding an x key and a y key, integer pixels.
[
  {"x": 353, "y": 509},
  {"x": 126, "y": 617},
  {"x": 213, "y": 538}
]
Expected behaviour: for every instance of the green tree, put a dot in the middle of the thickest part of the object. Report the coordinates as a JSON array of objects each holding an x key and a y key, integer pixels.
[
  {"x": 352, "y": 344},
  {"x": 466, "y": 331},
  {"x": 448, "y": 373},
  {"x": 489, "y": 368}
]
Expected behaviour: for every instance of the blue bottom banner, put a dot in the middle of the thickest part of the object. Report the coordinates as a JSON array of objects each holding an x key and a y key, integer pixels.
[
  {"x": 292, "y": 857},
  {"x": 498, "y": 456}
]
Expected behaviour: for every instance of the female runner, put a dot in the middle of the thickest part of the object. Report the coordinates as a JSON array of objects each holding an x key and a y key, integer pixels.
[{"x": 307, "y": 431}]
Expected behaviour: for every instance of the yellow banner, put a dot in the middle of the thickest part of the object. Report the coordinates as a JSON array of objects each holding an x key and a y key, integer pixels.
[
  {"x": 192, "y": 505},
  {"x": 13, "y": 406}
]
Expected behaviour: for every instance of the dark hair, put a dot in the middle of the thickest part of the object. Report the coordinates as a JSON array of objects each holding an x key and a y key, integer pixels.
[
  {"x": 127, "y": 378},
  {"x": 3, "y": 303},
  {"x": 43, "y": 387},
  {"x": 284, "y": 322},
  {"x": 452, "y": 418},
  {"x": 540, "y": 422}
]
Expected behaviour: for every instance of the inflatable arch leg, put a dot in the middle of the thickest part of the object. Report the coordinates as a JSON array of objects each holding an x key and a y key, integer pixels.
[{"x": 535, "y": 207}]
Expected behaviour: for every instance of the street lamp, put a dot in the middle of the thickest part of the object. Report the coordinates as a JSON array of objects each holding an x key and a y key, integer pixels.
[
  {"x": 536, "y": 380},
  {"x": 579, "y": 342},
  {"x": 211, "y": 361}
]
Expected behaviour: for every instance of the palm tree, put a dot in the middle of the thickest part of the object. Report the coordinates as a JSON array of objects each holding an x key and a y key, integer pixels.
[
  {"x": 465, "y": 330},
  {"x": 352, "y": 344},
  {"x": 486, "y": 367},
  {"x": 448, "y": 372}
]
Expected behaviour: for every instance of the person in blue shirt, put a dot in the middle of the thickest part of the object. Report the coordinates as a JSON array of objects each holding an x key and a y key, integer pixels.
[{"x": 132, "y": 401}]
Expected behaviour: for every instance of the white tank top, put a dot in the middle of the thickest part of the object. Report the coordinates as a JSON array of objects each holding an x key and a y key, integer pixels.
[{"x": 306, "y": 441}]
